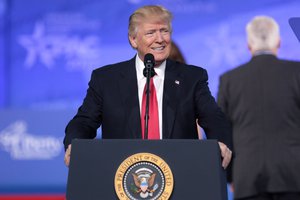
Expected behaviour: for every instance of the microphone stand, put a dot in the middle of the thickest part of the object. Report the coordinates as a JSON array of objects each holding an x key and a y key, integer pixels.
[{"x": 149, "y": 73}]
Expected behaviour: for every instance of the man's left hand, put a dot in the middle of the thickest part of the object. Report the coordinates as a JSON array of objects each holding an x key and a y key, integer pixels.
[{"x": 226, "y": 154}]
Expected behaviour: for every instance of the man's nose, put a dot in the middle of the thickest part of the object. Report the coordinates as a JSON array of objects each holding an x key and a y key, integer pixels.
[{"x": 159, "y": 37}]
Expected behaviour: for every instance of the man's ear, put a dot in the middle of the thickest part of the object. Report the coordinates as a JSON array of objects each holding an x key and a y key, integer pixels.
[
  {"x": 279, "y": 43},
  {"x": 249, "y": 47},
  {"x": 132, "y": 41}
]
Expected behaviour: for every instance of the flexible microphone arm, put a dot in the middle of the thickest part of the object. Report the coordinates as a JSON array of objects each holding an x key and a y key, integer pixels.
[{"x": 148, "y": 73}]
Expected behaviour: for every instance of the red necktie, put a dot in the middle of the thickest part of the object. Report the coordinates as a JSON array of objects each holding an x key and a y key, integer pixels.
[{"x": 153, "y": 123}]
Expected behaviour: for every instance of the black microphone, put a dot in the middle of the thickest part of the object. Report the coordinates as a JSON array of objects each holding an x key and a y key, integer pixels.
[
  {"x": 149, "y": 63},
  {"x": 148, "y": 72}
]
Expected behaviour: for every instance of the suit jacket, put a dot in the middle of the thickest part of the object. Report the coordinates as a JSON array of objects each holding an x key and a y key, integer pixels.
[
  {"x": 262, "y": 101},
  {"x": 112, "y": 101}
]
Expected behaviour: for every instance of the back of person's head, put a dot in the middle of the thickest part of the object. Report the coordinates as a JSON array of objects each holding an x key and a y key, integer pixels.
[
  {"x": 149, "y": 14},
  {"x": 263, "y": 34}
]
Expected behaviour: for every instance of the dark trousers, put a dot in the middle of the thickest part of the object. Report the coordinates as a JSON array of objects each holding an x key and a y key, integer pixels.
[{"x": 275, "y": 196}]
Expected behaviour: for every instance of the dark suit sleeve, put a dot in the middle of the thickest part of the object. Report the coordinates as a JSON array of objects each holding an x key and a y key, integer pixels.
[
  {"x": 89, "y": 115},
  {"x": 211, "y": 118},
  {"x": 221, "y": 97},
  {"x": 222, "y": 102}
]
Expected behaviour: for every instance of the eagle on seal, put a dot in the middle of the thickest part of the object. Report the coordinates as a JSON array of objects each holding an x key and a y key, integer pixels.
[{"x": 144, "y": 183}]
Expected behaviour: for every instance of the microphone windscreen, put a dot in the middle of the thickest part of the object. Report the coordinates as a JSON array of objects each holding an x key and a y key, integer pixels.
[{"x": 149, "y": 59}]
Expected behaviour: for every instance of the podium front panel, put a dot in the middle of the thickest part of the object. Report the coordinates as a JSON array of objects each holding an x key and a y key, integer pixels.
[{"x": 195, "y": 165}]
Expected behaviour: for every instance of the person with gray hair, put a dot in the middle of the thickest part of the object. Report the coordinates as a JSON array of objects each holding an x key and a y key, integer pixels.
[
  {"x": 114, "y": 99},
  {"x": 263, "y": 35},
  {"x": 261, "y": 99}
]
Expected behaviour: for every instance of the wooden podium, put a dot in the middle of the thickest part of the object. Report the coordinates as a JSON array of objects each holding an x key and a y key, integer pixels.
[{"x": 146, "y": 169}]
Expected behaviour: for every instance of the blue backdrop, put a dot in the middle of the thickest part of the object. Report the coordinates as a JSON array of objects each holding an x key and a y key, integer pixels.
[{"x": 49, "y": 48}]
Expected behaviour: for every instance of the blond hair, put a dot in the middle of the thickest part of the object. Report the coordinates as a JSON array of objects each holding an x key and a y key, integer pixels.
[{"x": 148, "y": 13}]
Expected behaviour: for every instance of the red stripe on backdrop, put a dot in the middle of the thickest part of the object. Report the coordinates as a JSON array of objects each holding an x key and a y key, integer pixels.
[{"x": 32, "y": 197}]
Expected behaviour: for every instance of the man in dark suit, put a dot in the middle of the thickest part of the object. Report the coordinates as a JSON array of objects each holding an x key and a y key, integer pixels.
[
  {"x": 262, "y": 100},
  {"x": 115, "y": 92}
]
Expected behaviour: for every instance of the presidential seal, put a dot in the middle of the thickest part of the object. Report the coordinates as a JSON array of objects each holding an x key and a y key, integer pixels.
[{"x": 144, "y": 176}]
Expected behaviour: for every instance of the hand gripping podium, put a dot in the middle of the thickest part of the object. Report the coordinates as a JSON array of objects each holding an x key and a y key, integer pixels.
[{"x": 146, "y": 169}]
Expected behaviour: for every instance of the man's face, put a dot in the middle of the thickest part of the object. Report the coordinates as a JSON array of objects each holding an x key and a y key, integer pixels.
[{"x": 154, "y": 38}]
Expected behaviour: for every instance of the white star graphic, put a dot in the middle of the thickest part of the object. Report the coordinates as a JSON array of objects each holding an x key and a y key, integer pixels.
[{"x": 38, "y": 47}]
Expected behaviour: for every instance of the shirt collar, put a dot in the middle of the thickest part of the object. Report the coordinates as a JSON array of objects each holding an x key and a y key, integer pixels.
[{"x": 263, "y": 52}]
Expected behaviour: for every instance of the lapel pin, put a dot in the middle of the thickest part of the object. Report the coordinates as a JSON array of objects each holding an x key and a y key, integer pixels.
[{"x": 177, "y": 82}]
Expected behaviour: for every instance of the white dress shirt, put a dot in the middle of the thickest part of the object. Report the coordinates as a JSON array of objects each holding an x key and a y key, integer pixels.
[{"x": 158, "y": 80}]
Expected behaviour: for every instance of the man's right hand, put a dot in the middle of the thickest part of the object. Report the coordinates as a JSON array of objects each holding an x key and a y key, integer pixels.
[{"x": 68, "y": 155}]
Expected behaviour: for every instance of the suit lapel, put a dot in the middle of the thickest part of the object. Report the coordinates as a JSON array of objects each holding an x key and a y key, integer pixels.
[
  {"x": 129, "y": 95},
  {"x": 170, "y": 97}
]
